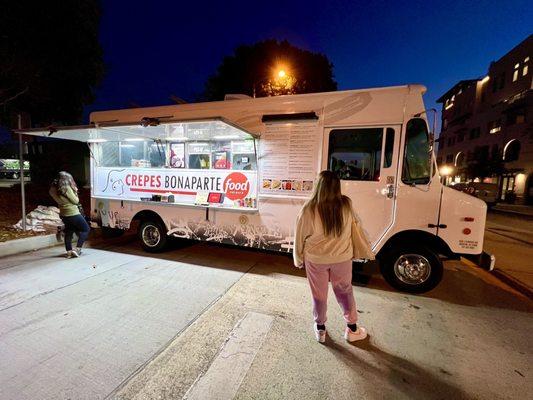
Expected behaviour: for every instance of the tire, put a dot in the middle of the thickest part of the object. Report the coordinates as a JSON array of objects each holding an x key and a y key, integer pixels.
[
  {"x": 110, "y": 233},
  {"x": 153, "y": 236},
  {"x": 425, "y": 276}
]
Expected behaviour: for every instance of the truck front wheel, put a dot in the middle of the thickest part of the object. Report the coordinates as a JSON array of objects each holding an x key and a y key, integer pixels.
[
  {"x": 153, "y": 236},
  {"x": 413, "y": 269}
]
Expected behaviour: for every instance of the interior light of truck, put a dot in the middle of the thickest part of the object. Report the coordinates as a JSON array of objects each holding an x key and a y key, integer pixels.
[
  {"x": 96, "y": 140},
  {"x": 468, "y": 219}
]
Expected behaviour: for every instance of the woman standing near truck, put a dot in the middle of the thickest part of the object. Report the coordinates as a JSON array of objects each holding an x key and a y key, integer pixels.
[
  {"x": 328, "y": 238},
  {"x": 65, "y": 193}
]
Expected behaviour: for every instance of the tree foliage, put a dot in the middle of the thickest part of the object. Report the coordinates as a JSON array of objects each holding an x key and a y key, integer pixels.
[
  {"x": 254, "y": 67},
  {"x": 50, "y": 59},
  {"x": 485, "y": 164}
]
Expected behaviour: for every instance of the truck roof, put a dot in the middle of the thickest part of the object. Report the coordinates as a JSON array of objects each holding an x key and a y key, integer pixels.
[{"x": 361, "y": 106}]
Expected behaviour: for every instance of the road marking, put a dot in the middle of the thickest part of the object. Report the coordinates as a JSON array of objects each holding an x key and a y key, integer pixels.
[{"x": 227, "y": 371}]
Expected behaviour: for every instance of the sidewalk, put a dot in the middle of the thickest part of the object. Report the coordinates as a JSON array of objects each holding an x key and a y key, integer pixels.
[
  {"x": 256, "y": 342},
  {"x": 514, "y": 209}
]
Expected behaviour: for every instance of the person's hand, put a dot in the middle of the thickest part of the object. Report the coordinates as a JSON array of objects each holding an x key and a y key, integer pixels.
[{"x": 300, "y": 266}]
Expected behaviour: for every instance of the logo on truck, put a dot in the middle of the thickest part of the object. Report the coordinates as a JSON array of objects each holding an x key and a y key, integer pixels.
[{"x": 236, "y": 186}]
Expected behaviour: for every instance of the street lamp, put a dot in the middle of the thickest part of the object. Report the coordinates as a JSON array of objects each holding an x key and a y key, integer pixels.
[
  {"x": 445, "y": 171},
  {"x": 278, "y": 75}
]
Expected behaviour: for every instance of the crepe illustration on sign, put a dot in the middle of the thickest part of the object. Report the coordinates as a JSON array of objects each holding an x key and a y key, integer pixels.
[{"x": 114, "y": 183}]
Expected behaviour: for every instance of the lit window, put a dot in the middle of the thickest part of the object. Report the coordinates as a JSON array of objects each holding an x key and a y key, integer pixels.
[
  {"x": 525, "y": 68},
  {"x": 515, "y": 73},
  {"x": 495, "y": 127}
]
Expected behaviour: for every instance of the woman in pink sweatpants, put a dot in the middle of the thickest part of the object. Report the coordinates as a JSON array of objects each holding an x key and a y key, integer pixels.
[{"x": 328, "y": 237}]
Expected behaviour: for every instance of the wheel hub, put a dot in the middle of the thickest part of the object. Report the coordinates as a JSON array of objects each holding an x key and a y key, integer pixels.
[
  {"x": 412, "y": 269},
  {"x": 151, "y": 235}
]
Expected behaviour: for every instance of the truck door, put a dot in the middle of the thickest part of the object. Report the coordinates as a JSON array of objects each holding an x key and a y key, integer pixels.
[{"x": 366, "y": 161}]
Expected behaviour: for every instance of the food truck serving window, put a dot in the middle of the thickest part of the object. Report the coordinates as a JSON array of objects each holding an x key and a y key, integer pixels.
[{"x": 195, "y": 162}]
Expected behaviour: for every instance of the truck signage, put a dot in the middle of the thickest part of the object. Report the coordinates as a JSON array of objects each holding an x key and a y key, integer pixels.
[{"x": 185, "y": 184}]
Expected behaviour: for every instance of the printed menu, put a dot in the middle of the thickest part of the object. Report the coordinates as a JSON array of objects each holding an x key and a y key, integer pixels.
[{"x": 289, "y": 157}]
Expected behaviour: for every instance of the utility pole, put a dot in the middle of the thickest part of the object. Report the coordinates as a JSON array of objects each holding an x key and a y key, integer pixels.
[{"x": 21, "y": 166}]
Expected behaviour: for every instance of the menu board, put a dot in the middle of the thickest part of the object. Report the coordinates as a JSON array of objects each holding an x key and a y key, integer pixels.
[{"x": 289, "y": 156}]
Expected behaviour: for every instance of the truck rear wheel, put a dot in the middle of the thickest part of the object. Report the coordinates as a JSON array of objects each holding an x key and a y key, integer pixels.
[
  {"x": 413, "y": 269},
  {"x": 153, "y": 236}
]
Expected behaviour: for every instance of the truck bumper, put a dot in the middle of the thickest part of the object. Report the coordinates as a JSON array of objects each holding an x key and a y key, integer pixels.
[{"x": 483, "y": 260}]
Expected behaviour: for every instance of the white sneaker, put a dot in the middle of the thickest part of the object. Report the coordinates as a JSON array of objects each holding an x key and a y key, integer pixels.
[
  {"x": 352, "y": 336},
  {"x": 74, "y": 253},
  {"x": 78, "y": 250},
  {"x": 68, "y": 254},
  {"x": 320, "y": 334}
]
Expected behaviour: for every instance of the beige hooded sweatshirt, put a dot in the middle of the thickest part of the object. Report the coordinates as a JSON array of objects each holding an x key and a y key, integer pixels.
[{"x": 310, "y": 243}]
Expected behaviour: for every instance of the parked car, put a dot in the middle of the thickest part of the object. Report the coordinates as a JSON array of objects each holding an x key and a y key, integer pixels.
[{"x": 488, "y": 192}]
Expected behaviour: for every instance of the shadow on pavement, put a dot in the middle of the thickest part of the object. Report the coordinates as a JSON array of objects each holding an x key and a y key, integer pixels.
[
  {"x": 461, "y": 284},
  {"x": 404, "y": 375}
]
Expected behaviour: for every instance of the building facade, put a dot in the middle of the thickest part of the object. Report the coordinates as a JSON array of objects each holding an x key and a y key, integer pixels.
[{"x": 487, "y": 127}]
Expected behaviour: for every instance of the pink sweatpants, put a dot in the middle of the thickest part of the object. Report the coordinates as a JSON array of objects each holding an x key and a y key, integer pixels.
[{"x": 340, "y": 276}]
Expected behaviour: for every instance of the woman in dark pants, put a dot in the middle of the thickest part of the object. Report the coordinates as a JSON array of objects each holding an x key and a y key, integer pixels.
[{"x": 65, "y": 193}]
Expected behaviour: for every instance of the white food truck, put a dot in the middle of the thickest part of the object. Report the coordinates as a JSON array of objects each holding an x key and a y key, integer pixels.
[{"x": 238, "y": 171}]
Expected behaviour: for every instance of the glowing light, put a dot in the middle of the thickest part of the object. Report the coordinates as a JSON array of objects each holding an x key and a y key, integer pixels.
[
  {"x": 282, "y": 73},
  {"x": 485, "y": 80},
  {"x": 446, "y": 170}
]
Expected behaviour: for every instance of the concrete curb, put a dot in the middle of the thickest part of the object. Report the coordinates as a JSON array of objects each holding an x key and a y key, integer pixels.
[
  {"x": 513, "y": 282},
  {"x": 24, "y": 245}
]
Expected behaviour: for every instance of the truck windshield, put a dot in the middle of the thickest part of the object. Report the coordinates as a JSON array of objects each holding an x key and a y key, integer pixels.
[{"x": 416, "y": 162}]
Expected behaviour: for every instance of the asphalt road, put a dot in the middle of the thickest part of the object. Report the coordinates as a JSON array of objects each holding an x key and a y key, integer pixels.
[
  {"x": 119, "y": 323},
  {"x": 510, "y": 238}
]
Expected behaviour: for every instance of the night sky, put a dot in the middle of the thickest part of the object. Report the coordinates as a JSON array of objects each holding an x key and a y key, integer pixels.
[{"x": 157, "y": 48}]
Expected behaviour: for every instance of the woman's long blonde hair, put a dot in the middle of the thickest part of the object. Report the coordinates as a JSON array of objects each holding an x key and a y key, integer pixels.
[
  {"x": 63, "y": 181},
  {"x": 329, "y": 202}
]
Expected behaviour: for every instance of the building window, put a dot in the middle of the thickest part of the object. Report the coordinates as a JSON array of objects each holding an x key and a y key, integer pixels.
[
  {"x": 502, "y": 80},
  {"x": 475, "y": 133},
  {"x": 449, "y": 159},
  {"x": 511, "y": 151},
  {"x": 495, "y": 127},
  {"x": 495, "y": 152},
  {"x": 525, "y": 68},
  {"x": 460, "y": 159},
  {"x": 515, "y": 72},
  {"x": 518, "y": 117}
]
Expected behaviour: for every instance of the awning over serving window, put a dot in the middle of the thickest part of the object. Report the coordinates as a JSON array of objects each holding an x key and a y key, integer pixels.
[{"x": 213, "y": 129}]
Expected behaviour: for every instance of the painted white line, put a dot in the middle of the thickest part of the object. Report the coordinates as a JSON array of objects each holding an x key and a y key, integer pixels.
[{"x": 225, "y": 375}]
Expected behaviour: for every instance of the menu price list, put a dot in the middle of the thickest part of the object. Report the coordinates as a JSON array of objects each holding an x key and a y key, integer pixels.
[{"x": 289, "y": 156}]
